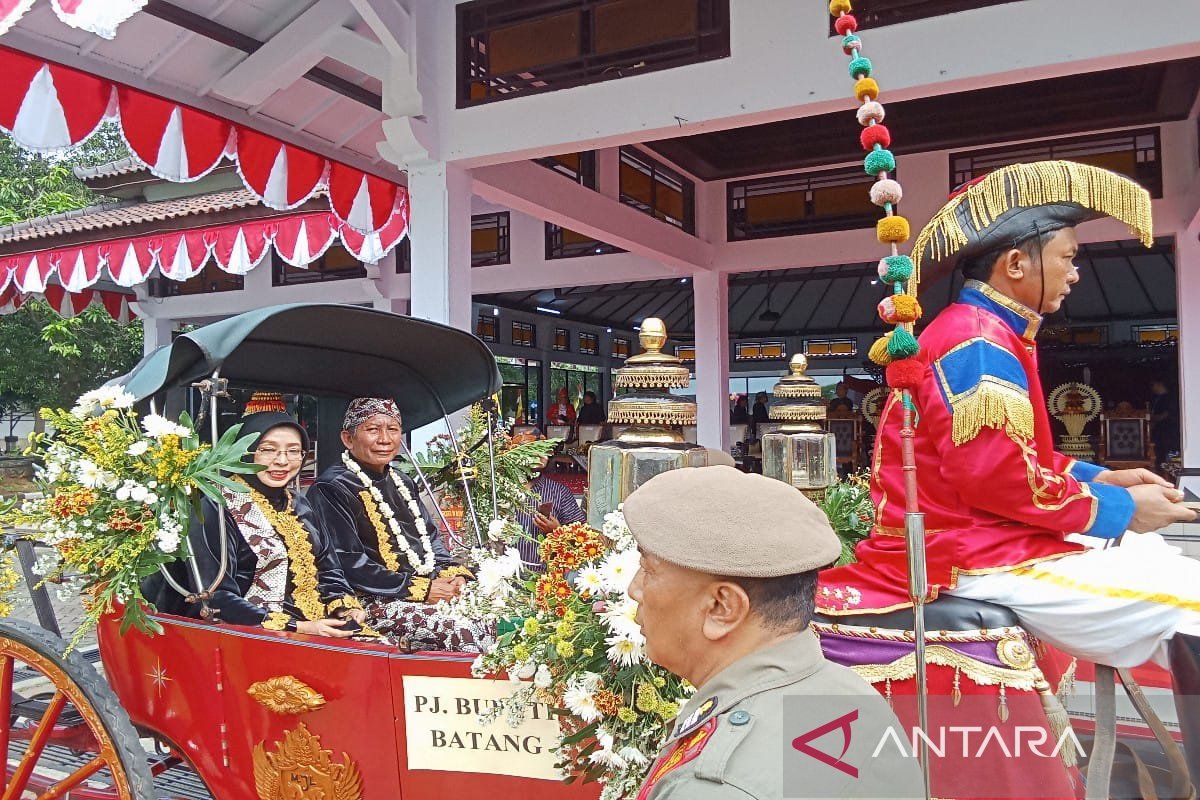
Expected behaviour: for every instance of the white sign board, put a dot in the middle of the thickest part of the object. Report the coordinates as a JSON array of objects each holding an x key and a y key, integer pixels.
[{"x": 443, "y": 731}]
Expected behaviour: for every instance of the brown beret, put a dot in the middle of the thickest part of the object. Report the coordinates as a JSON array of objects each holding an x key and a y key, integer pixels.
[{"x": 723, "y": 521}]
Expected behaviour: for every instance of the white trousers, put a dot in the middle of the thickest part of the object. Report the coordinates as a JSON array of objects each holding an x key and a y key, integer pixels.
[{"x": 1117, "y": 606}]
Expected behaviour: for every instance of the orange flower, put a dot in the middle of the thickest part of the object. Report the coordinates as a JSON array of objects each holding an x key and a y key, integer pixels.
[
  {"x": 74, "y": 503},
  {"x": 608, "y": 703}
]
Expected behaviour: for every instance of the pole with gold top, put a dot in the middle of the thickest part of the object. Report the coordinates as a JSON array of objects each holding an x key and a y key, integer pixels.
[{"x": 652, "y": 440}]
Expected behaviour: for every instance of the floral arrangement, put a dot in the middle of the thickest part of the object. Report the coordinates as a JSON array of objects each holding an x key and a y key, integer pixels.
[
  {"x": 117, "y": 493},
  {"x": 518, "y": 459},
  {"x": 848, "y": 505},
  {"x": 568, "y": 637}
]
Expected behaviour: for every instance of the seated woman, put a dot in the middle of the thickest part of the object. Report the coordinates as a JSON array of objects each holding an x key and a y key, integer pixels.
[
  {"x": 279, "y": 572},
  {"x": 389, "y": 549}
]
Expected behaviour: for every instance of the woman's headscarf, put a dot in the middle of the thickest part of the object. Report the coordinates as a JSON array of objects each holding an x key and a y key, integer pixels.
[{"x": 264, "y": 421}]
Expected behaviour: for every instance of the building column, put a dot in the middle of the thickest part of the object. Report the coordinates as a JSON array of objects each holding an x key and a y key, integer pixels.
[
  {"x": 1187, "y": 271},
  {"x": 156, "y": 332},
  {"x": 711, "y": 291},
  {"x": 390, "y": 285},
  {"x": 440, "y": 231}
]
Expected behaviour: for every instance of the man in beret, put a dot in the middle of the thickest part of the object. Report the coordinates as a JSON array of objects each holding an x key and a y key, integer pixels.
[{"x": 730, "y": 613}]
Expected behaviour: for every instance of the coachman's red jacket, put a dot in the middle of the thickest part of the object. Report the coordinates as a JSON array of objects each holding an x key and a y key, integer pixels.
[{"x": 994, "y": 492}]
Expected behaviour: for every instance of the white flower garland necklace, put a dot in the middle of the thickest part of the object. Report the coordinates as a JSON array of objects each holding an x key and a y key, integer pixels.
[{"x": 422, "y": 564}]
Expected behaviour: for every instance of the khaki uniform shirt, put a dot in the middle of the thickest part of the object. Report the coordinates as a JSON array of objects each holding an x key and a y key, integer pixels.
[{"x": 731, "y": 739}]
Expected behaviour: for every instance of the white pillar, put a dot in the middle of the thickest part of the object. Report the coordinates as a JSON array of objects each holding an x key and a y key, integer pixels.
[
  {"x": 711, "y": 290},
  {"x": 1187, "y": 271},
  {"x": 155, "y": 333},
  {"x": 608, "y": 172},
  {"x": 391, "y": 286},
  {"x": 441, "y": 243}
]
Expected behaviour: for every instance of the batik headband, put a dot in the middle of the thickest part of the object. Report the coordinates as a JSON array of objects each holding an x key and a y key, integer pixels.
[{"x": 363, "y": 408}]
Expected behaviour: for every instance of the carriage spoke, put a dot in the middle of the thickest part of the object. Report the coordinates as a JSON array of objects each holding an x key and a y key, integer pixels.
[
  {"x": 37, "y": 743},
  {"x": 74, "y": 779},
  {"x": 6, "y": 688}
]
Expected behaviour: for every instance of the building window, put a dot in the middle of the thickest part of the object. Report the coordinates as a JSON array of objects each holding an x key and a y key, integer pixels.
[
  {"x": 620, "y": 348},
  {"x": 576, "y": 379},
  {"x": 1089, "y": 336},
  {"x": 1155, "y": 335},
  {"x": 337, "y": 264},
  {"x": 878, "y": 13},
  {"x": 657, "y": 190},
  {"x": 209, "y": 280},
  {"x": 564, "y": 243},
  {"x": 685, "y": 352},
  {"x": 509, "y": 48},
  {"x": 830, "y": 348},
  {"x": 579, "y": 167},
  {"x": 486, "y": 327},
  {"x": 523, "y": 334},
  {"x": 1135, "y": 154},
  {"x": 562, "y": 340},
  {"x": 758, "y": 351},
  {"x": 809, "y": 202},
  {"x": 521, "y": 390},
  {"x": 489, "y": 239},
  {"x": 589, "y": 344}
]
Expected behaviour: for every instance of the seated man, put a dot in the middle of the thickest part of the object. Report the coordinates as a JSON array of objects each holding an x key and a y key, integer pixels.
[
  {"x": 547, "y": 506},
  {"x": 389, "y": 550},
  {"x": 1000, "y": 504}
]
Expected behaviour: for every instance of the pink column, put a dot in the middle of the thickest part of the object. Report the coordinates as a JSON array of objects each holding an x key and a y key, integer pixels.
[{"x": 711, "y": 290}]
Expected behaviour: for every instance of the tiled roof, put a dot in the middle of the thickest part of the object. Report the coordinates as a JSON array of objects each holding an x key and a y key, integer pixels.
[
  {"x": 124, "y": 166},
  {"x": 121, "y": 214}
]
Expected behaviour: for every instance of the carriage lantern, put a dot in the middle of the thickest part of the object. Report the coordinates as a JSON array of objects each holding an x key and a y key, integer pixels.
[
  {"x": 800, "y": 452},
  {"x": 653, "y": 441}
]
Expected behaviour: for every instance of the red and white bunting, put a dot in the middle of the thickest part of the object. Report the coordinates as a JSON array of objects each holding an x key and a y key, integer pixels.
[
  {"x": 100, "y": 17},
  {"x": 236, "y": 248},
  {"x": 68, "y": 304},
  {"x": 47, "y": 107}
]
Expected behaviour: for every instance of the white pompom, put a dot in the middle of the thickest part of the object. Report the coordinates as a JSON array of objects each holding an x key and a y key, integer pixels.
[
  {"x": 870, "y": 111},
  {"x": 886, "y": 191}
]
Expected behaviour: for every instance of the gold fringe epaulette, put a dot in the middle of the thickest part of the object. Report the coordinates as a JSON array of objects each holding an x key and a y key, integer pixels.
[
  {"x": 1025, "y": 185},
  {"x": 990, "y": 405}
]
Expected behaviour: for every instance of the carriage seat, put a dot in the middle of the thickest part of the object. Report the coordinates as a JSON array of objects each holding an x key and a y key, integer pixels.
[{"x": 947, "y": 613}]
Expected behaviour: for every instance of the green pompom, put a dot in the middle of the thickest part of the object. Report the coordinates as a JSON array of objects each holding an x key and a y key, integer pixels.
[
  {"x": 878, "y": 161},
  {"x": 901, "y": 344},
  {"x": 899, "y": 269},
  {"x": 860, "y": 67}
]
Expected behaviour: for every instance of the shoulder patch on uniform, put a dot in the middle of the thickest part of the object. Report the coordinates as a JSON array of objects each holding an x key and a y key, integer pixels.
[
  {"x": 684, "y": 750},
  {"x": 696, "y": 717},
  {"x": 984, "y": 385}
]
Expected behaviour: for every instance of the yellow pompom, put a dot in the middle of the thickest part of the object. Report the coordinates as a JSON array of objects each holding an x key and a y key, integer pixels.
[
  {"x": 879, "y": 351},
  {"x": 907, "y": 308},
  {"x": 866, "y": 89},
  {"x": 892, "y": 230},
  {"x": 839, "y": 7}
]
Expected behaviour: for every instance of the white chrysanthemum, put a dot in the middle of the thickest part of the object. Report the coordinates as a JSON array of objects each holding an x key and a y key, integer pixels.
[
  {"x": 617, "y": 530},
  {"x": 589, "y": 580},
  {"x": 494, "y": 576},
  {"x": 634, "y": 756},
  {"x": 495, "y": 528},
  {"x": 625, "y": 650},
  {"x": 168, "y": 540},
  {"x": 158, "y": 426},
  {"x": 138, "y": 448},
  {"x": 621, "y": 618},
  {"x": 617, "y": 570},
  {"x": 138, "y": 493},
  {"x": 526, "y": 670},
  {"x": 605, "y": 754},
  {"x": 89, "y": 473},
  {"x": 542, "y": 678},
  {"x": 581, "y": 702}
]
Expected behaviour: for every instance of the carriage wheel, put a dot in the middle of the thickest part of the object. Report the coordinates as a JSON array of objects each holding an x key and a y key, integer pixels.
[{"x": 66, "y": 731}]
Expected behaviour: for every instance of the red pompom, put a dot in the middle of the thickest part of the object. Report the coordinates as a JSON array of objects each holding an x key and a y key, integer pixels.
[
  {"x": 844, "y": 24},
  {"x": 905, "y": 373},
  {"x": 875, "y": 135}
]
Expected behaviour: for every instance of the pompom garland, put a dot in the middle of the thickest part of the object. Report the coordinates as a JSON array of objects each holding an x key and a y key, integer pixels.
[
  {"x": 899, "y": 309},
  {"x": 837, "y": 7},
  {"x": 850, "y": 43},
  {"x": 860, "y": 67},
  {"x": 886, "y": 191},
  {"x": 902, "y": 344},
  {"x": 895, "y": 269},
  {"x": 875, "y": 135},
  {"x": 878, "y": 161},
  {"x": 870, "y": 112},
  {"x": 892, "y": 230},
  {"x": 866, "y": 89},
  {"x": 905, "y": 374},
  {"x": 845, "y": 24},
  {"x": 879, "y": 350}
]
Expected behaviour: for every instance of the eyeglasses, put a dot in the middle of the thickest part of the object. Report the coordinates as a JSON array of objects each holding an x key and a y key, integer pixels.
[{"x": 272, "y": 453}]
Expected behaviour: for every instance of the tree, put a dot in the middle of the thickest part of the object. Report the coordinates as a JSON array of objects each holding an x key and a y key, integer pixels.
[
  {"x": 34, "y": 185},
  {"x": 49, "y": 361}
]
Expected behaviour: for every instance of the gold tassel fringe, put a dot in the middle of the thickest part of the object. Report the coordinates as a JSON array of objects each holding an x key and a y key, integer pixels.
[
  {"x": 1059, "y": 721},
  {"x": 991, "y": 405},
  {"x": 1025, "y": 185}
]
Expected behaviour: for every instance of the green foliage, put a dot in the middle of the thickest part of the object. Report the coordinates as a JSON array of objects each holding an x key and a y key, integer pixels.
[
  {"x": 49, "y": 361},
  {"x": 33, "y": 185},
  {"x": 517, "y": 463},
  {"x": 848, "y": 505}
]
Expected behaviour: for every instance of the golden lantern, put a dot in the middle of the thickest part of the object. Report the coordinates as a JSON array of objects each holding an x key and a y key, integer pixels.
[{"x": 800, "y": 452}]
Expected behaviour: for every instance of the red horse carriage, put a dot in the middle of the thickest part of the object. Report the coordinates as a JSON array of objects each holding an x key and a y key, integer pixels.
[{"x": 258, "y": 714}]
